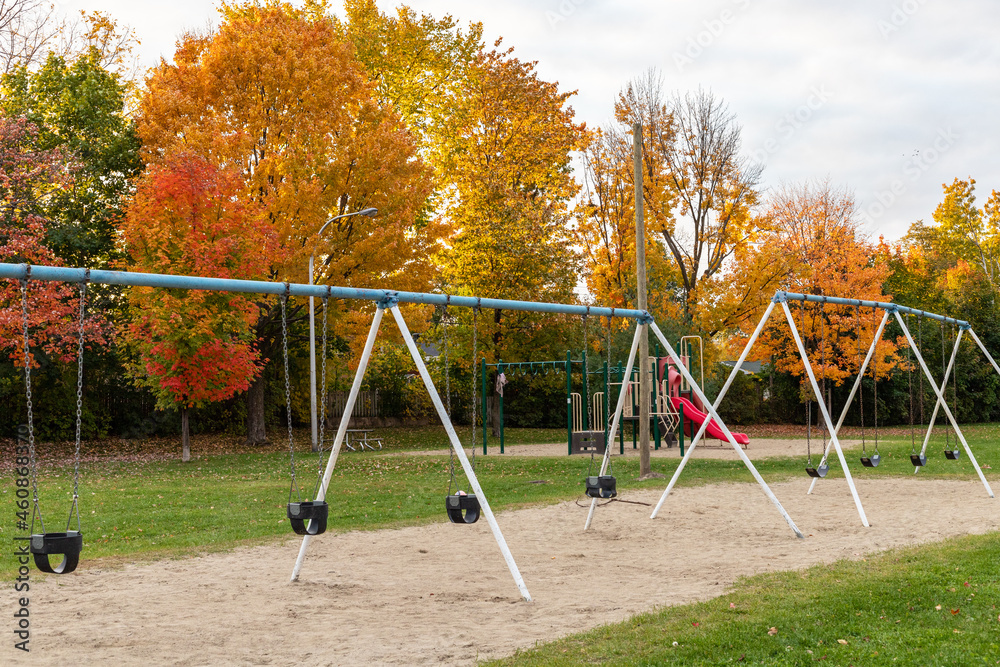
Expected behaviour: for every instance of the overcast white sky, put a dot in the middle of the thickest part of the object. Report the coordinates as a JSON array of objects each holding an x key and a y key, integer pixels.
[{"x": 890, "y": 98}]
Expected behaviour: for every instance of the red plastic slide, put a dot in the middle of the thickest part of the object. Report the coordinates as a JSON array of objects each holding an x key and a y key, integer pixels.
[{"x": 693, "y": 414}]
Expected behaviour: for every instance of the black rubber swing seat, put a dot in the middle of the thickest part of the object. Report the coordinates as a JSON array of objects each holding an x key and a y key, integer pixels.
[
  {"x": 309, "y": 517},
  {"x": 818, "y": 471},
  {"x": 952, "y": 454},
  {"x": 67, "y": 544},
  {"x": 602, "y": 486},
  {"x": 462, "y": 508},
  {"x": 919, "y": 460},
  {"x": 871, "y": 461}
]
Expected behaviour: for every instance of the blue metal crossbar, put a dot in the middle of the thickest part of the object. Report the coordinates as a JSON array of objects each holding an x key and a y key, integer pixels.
[
  {"x": 64, "y": 274},
  {"x": 780, "y": 296}
]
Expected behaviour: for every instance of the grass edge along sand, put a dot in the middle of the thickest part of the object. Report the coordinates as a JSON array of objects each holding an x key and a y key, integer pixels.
[{"x": 932, "y": 604}]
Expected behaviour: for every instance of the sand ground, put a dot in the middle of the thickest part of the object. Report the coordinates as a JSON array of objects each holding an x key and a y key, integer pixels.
[{"x": 441, "y": 594}]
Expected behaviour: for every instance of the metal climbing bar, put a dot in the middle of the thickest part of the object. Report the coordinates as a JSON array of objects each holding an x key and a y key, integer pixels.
[
  {"x": 127, "y": 278},
  {"x": 781, "y": 296}
]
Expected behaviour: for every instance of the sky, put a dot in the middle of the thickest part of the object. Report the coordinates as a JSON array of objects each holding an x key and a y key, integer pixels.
[{"x": 889, "y": 99}]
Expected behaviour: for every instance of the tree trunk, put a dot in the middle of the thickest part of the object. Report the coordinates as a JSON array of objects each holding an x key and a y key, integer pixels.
[
  {"x": 256, "y": 430},
  {"x": 185, "y": 436}
]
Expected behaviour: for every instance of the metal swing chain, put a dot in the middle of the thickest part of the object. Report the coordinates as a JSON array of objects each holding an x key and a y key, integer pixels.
[
  {"x": 822, "y": 326},
  {"x": 954, "y": 381},
  {"x": 607, "y": 397},
  {"x": 920, "y": 376},
  {"x": 475, "y": 367},
  {"x": 288, "y": 392},
  {"x": 586, "y": 399},
  {"x": 447, "y": 391},
  {"x": 909, "y": 383},
  {"x": 875, "y": 380},
  {"x": 586, "y": 341},
  {"x": 79, "y": 412},
  {"x": 447, "y": 373},
  {"x": 322, "y": 413},
  {"x": 944, "y": 378},
  {"x": 802, "y": 314},
  {"x": 861, "y": 393},
  {"x": 36, "y": 510}
]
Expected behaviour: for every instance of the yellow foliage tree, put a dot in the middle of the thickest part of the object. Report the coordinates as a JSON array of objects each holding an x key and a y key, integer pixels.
[{"x": 508, "y": 157}]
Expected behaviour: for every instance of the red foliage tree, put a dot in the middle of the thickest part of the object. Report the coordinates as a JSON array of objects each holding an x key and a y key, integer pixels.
[
  {"x": 194, "y": 347},
  {"x": 27, "y": 177}
]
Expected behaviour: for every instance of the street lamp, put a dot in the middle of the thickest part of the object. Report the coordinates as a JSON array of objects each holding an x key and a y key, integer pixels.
[{"x": 371, "y": 213}]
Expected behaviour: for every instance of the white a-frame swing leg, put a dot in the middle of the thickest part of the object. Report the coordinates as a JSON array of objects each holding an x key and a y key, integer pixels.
[
  {"x": 944, "y": 404},
  {"x": 937, "y": 403},
  {"x": 713, "y": 413},
  {"x": 985, "y": 351},
  {"x": 460, "y": 453},
  {"x": 826, "y": 415},
  {"x": 640, "y": 330},
  {"x": 718, "y": 401},
  {"x": 342, "y": 429},
  {"x": 854, "y": 390}
]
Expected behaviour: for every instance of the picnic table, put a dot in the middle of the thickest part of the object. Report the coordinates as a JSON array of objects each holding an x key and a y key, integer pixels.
[{"x": 362, "y": 438}]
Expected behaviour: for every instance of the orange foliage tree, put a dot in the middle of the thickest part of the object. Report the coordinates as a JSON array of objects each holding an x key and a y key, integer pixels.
[
  {"x": 193, "y": 347},
  {"x": 814, "y": 228},
  {"x": 276, "y": 94}
]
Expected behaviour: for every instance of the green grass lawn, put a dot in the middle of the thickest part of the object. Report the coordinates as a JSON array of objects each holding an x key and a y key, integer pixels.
[{"x": 933, "y": 605}]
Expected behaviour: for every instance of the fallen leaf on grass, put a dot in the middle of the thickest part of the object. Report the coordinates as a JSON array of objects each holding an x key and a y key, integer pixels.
[
  {"x": 938, "y": 607},
  {"x": 955, "y": 611},
  {"x": 842, "y": 641},
  {"x": 772, "y": 631}
]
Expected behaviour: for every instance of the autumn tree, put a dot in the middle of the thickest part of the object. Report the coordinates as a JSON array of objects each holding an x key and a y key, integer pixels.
[
  {"x": 79, "y": 106},
  {"x": 416, "y": 64},
  {"x": 507, "y": 203},
  {"x": 275, "y": 92},
  {"x": 815, "y": 227},
  {"x": 28, "y": 28},
  {"x": 605, "y": 218},
  {"x": 699, "y": 196},
  {"x": 29, "y": 177},
  {"x": 193, "y": 347}
]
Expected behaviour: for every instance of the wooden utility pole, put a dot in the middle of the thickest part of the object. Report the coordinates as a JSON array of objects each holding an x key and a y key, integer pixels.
[{"x": 640, "y": 271}]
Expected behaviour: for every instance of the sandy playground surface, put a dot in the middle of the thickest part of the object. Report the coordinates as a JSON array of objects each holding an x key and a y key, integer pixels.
[{"x": 441, "y": 594}]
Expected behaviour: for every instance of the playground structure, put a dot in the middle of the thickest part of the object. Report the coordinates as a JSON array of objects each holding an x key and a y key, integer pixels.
[
  {"x": 888, "y": 309},
  {"x": 387, "y": 300},
  {"x": 675, "y": 407}
]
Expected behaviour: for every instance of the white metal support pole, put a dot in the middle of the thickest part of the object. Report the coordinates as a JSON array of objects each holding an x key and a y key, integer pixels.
[
  {"x": 985, "y": 351},
  {"x": 713, "y": 413},
  {"x": 718, "y": 402},
  {"x": 345, "y": 419},
  {"x": 826, "y": 415},
  {"x": 947, "y": 410},
  {"x": 937, "y": 404},
  {"x": 640, "y": 331},
  {"x": 854, "y": 390},
  {"x": 460, "y": 453}
]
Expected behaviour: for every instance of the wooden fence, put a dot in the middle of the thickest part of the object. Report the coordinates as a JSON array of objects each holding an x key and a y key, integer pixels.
[{"x": 368, "y": 405}]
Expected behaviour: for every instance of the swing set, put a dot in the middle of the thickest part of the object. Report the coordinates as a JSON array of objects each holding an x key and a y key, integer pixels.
[
  {"x": 914, "y": 347},
  {"x": 307, "y": 516}
]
